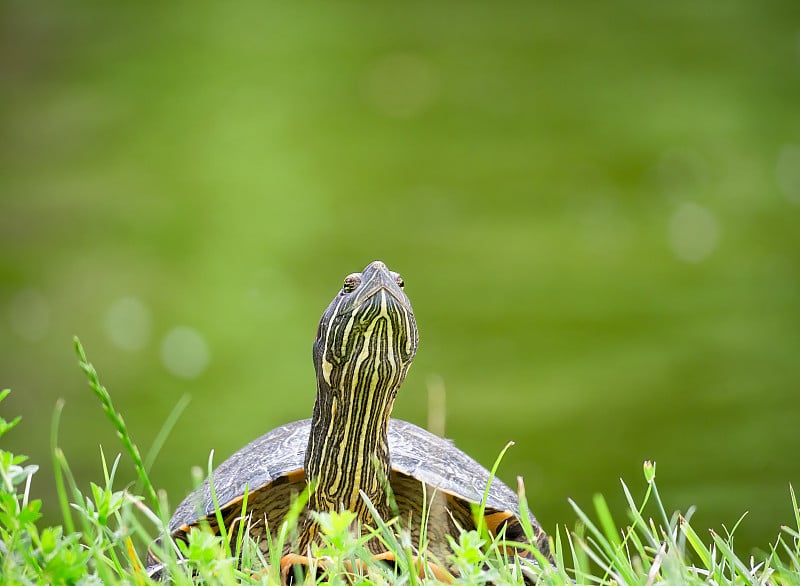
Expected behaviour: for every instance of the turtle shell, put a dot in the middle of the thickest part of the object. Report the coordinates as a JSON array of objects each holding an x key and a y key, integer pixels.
[{"x": 270, "y": 468}]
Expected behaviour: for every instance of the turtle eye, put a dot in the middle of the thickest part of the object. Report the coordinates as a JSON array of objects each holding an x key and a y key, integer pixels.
[
  {"x": 351, "y": 282},
  {"x": 399, "y": 280}
]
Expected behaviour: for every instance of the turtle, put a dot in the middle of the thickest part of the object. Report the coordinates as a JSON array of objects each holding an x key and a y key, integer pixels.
[{"x": 350, "y": 448}]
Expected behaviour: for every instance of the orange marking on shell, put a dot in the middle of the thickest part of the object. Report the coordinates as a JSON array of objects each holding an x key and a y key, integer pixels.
[
  {"x": 494, "y": 520},
  {"x": 296, "y": 475}
]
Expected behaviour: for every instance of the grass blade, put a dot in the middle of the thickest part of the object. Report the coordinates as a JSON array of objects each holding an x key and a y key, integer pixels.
[
  {"x": 119, "y": 423},
  {"x": 56, "y": 455},
  {"x": 166, "y": 429}
]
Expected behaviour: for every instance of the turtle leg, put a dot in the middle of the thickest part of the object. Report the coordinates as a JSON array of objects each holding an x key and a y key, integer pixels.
[
  {"x": 292, "y": 560},
  {"x": 439, "y": 572}
]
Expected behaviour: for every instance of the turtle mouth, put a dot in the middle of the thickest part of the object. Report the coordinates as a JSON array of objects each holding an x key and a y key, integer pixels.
[{"x": 377, "y": 278}]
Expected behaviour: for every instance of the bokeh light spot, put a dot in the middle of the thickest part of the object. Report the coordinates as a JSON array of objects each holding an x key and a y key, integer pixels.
[
  {"x": 401, "y": 85},
  {"x": 128, "y": 323},
  {"x": 693, "y": 232},
  {"x": 787, "y": 172},
  {"x": 184, "y": 352},
  {"x": 29, "y": 314}
]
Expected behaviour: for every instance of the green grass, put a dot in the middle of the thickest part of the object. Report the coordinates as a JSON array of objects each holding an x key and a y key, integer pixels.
[{"x": 106, "y": 531}]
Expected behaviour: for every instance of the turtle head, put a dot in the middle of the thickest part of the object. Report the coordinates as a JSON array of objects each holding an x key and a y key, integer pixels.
[{"x": 367, "y": 336}]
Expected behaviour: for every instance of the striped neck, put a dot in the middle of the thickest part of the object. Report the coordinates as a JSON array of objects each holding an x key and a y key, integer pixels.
[{"x": 348, "y": 453}]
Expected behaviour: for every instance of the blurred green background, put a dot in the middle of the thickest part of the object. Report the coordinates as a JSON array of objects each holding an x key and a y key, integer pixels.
[{"x": 595, "y": 207}]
